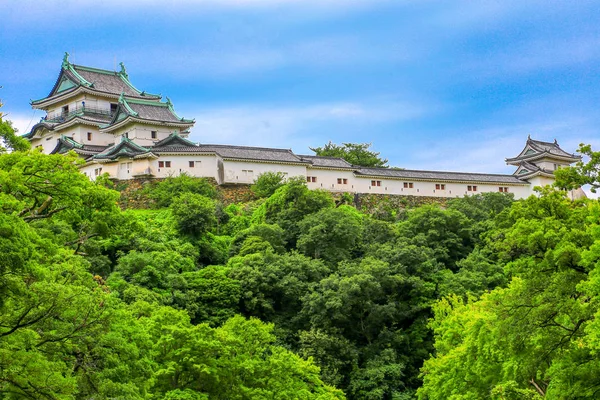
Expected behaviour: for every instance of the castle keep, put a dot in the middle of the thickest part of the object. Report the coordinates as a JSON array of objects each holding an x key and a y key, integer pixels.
[{"x": 127, "y": 133}]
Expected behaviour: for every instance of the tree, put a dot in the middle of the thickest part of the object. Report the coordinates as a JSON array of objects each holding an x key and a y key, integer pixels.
[
  {"x": 354, "y": 153},
  {"x": 447, "y": 232},
  {"x": 536, "y": 337},
  {"x": 331, "y": 234},
  {"x": 236, "y": 361},
  {"x": 166, "y": 191},
  {"x": 583, "y": 173},
  {"x": 9, "y": 141},
  {"x": 194, "y": 214},
  {"x": 267, "y": 183},
  {"x": 289, "y": 205}
]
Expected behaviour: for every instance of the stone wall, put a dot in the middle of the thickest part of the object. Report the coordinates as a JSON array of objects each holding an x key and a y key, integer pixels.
[{"x": 133, "y": 196}]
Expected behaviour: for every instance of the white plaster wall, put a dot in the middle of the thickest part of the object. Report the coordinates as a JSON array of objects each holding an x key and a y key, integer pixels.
[
  {"x": 233, "y": 170},
  {"x": 540, "y": 181},
  {"x": 393, "y": 186},
  {"x": 327, "y": 179},
  {"x": 142, "y": 134},
  {"x": 110, "y": 168},
  {"x": 48, "y": 141},
  {"x": 98, "y": 138},
  {"x": 205, "y": 166}
]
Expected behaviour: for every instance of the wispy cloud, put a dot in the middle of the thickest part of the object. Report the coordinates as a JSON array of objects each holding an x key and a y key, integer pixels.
[{"x": 297, "y": 126}]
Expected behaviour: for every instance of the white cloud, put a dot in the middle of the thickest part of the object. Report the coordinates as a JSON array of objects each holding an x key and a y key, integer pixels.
[{"x": 295, "y": 126}]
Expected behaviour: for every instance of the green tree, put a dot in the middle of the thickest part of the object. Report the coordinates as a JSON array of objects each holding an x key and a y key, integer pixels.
[
  {"x": 354, "y": 153},
  {"x": 267, "y": 183},
  {"x": 531, "y": 338},
  {"x": 194, "y": 214},
  {"x": 164, "y": 192},
  {"x": 289, "y": 205},
  {"x": 9, "y": 140},
  {"x": 331, "y": 234},
  {"x": 585, "y": 172}
]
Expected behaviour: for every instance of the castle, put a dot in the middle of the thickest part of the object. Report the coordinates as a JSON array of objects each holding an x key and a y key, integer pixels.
[{"x": 127, "y": 133}]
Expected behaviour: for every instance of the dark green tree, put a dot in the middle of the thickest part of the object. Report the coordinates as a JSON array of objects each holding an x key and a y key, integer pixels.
[{"x": 354, "y": 153}]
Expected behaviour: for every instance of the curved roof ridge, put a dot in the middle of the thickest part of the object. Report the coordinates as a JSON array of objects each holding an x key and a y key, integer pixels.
[{"x": 248, "y": 147}]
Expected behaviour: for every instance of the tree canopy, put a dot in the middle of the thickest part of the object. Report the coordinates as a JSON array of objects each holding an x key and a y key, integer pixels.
[
  {"x": 291, "y": 294},
  {"x": 354, "y": 153}
]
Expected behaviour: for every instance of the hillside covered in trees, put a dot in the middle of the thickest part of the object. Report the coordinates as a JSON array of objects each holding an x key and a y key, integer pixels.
[{"x": 290, "y": 296}]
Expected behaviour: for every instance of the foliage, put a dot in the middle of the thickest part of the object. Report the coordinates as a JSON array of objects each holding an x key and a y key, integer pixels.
[
  {"x": 194, "y": 214},
  {"x": 164, "y": 192},
  {"x": 330, "y": 234},
  {"x": 267, "y": 183},
  {"x": 532, "y": 337},
  {"x": 583, "y": 173},
  {"x": 289, "y": 205},
  {"x": 354, "y": 153},
  {"x": 9, "y": 140}
]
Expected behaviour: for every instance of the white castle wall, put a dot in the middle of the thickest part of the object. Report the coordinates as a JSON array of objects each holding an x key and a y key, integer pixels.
[{"x": 247, "y": 172}]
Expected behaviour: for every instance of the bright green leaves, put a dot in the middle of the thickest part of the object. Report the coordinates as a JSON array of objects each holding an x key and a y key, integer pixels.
[{"x": 532, "y": 339}]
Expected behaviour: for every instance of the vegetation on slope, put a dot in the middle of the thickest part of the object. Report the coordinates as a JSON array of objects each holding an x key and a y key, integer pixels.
[{"x": 289, "y": 296}]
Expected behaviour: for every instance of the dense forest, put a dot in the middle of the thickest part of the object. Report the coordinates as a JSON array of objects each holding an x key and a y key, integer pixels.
[{"x": 293, "y": 295}]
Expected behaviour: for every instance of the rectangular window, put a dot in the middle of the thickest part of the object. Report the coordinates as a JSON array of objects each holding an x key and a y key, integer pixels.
[
  {"x": 345, "y": 181},
  {"x": 113, "y": 108},
  {"x": 342, "y": 181},
  {"x": 408, "y": 185},
  {"x": 192, "y": 164},
  {"x": 503, "y": 189},
  {"x": 308, "y": 179},
  {"x": 167, "y": 164},
  {"x": 126, "y": 134},
  {"x": 312, "y": 179},
  {"x": 472, "y": 188},
  {"x": 97, "y": 171},
  {"x": 437, "y": 186},
  {"x": 375, "y": 183},
  {"x": 339, "y": 181},
  {"x": 65, "y": 110},
  {"x": 153, "y": 134},
  {"x": 161, "y": 164},
  {"x": 89, "y": 136}
]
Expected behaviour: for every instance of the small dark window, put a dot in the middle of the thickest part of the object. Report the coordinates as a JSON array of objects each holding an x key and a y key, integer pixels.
[
  {"x": 153, "y": 134},
  {"x": 345, "y": 181},
  {"x": 308, "y": 179},
  {"x": 126, "y": 134},
  {"x": 89, "y": 136},
  {"x": 339, "y": 180},
  {"x": 161, "y": 164},
  {"x": 65, "y": 110},
  {"x": 167, "y": 164},
  {"x": 192, "y": 163},
  {"x": 113, "y": 108}
]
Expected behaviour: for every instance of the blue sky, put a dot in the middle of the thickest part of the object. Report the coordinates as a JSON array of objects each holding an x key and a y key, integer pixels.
[{"x": 449, "y": 85}]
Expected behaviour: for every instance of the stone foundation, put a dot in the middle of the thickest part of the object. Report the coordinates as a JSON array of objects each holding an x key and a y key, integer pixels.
[{"x": 133, "y": 196}]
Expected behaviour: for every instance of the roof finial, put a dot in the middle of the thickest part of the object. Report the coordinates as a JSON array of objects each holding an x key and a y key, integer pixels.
[
  {"x": 555, "y": 142},
  {"x": 65, "y": 62},
  {"x": 123, "y": 70},
  {"x": 529, "y": 136},
  {"x": 122, "y": 98},
  {"x": 169, "y": 102}
]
